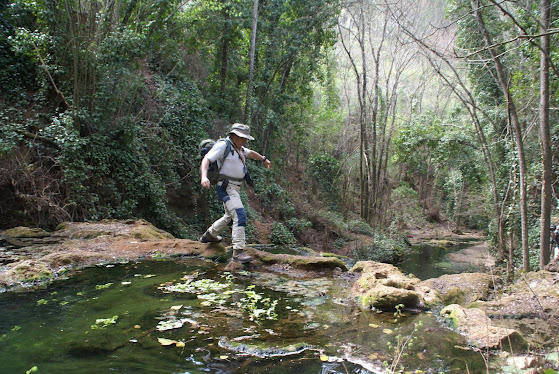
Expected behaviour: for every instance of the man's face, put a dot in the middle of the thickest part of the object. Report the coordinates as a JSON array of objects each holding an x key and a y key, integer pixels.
[{"x": 240, "y": 142}]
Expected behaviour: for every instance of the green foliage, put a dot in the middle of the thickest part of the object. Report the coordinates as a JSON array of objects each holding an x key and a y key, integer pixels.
[
  {"x": 296, "y": 225},
  {"x": 274, "y": 199},
  {"x": 360, "y": 227},
  {"x": 324, "y": 170},
  {"x": 382, "y": 248},
  {"x": 280, "y": 235}
]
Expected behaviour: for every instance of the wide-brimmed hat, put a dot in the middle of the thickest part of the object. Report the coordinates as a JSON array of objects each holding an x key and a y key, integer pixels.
[{"x": 241, "y": 130}]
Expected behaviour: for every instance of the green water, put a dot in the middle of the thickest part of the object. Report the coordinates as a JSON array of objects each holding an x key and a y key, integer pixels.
[
  {"x": 254, "y": 323},
  {"x": 427, "y": 261}
]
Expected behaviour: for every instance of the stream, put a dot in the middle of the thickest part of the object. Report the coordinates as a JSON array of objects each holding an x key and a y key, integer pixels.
[{"x": 190, "y": 316}]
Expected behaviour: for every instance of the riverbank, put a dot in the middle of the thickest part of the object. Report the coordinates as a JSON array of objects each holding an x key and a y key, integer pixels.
[{"x": 479, "y": 306}]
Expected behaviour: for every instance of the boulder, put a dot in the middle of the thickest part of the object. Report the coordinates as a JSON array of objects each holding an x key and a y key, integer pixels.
[
  {"x": 533, "y": 294},
  {"x": 382, "y": 286},
  {"x": 464, "y": 288},
  {"x": 528, "y": 305},
  {"x": 24, "y": 232},
  {"x": 479, "y": 330},
  {"x": 137, "y": 229}
]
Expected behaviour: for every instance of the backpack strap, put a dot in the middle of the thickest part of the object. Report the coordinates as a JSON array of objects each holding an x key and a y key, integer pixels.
[{"x": 226, "y": 152}]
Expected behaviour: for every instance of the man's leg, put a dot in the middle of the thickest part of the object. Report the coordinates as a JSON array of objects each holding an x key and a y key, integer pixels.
[
  {"x": 212, "y": 233},
  {"x": 235, "y": 207}
]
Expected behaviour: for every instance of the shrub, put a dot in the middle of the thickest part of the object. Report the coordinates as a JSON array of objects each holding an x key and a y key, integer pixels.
[
  {"x": 360, "y": 227},
  {"x": 280, "y": 235},
  {"x": 382, "y": 249},
  {"x": 296, "y": 226},
  {"x": 324, "y": 170}
]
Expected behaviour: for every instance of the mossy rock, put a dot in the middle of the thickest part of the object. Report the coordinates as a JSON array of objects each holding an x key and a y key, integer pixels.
[
  {"x": 263, "y": 350},
  {"x": 464, "y": 288},
  {"x": 387, "y": 298},
  {"x": 144, "y": 230},
  {"x": 24, "y": 232},
  {"x": 443, "y": 243},
  {"x": 301, "y": 262},
  {"x": 25, "y": 271},
  {"x": 474, "y": 324},
  {"x": 383, "y": 286}
]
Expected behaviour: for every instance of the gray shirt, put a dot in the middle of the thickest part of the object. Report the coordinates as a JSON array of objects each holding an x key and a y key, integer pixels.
[{"x": 231, "y": 166}]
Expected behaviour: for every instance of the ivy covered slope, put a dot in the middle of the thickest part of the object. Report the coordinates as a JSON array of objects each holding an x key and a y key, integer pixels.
[{"x": 104, "y": 103}]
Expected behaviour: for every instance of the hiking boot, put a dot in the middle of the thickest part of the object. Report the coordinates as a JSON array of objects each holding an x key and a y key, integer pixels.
[
  {"x": 209, "y": 238},
  {"x": 239, "y": 255}
]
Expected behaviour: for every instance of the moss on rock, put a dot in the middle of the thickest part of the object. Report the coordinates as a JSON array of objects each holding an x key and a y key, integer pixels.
[
  {"x": 474, "y": 324},
  {"x": 464, "y": 288},
  {"x": 301, "y": 262},
  {"x": 24, "y": 232},
  {"x": 382, "y": 286}
]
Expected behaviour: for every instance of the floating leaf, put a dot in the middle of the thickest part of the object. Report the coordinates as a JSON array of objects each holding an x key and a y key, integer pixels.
[
  {"x": 373, "y": 325},
  {"x": 149, "y": 275},
  {"x": 170, "y": 324},
  {"x": 42, "y": 302},
  {"x": 103, "y": 286},
  {"x": 34, "y": 369},
  {"x": 137, "y": 326},
  {"x": 387, "y": 331},
  {"x": 180, "y": 344},
  {"x": 323, "y": 358},
  {"x": 166, "y": 342},
  {"x": 125, "y": 283},
  {"x": 223, "y": 357},
  {"x": 176, "y": 307}
]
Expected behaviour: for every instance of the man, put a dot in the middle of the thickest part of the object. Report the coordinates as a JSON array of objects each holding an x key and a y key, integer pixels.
[{"x": 232, "y": 172}]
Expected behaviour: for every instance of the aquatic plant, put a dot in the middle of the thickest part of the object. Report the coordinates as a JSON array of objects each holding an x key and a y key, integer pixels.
[{"x": 101, "y": 323}]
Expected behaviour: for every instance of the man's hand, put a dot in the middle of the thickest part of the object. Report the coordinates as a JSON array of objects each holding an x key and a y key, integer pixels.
[
  {"x": 205, "y": 182},
  {"x": 267, "y": 163}
]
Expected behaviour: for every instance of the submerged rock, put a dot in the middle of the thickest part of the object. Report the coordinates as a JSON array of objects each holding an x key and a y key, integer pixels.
[
  {"x": 479, "y": 329},
  {"x": 383, "y": 286},
  {"x": 261, "y": 350}
]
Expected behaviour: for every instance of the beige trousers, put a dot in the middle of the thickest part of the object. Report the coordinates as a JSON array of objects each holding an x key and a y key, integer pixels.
[{"x": 234, "y": 211}]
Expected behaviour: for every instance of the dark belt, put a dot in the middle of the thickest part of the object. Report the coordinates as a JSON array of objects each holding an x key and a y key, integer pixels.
[{"x": 225, "y": 177}]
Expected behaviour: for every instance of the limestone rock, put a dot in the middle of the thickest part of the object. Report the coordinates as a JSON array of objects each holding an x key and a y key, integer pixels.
[
  {"x": 301, "y": 262},
  {"x": 383, "y": 286},
  {"x": 534, "y": 294},
  {"x": 462, "y": 288},
  {"x": 480, "y": 330}
]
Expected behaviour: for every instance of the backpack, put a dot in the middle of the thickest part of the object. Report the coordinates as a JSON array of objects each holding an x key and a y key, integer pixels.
[{"x": 205, "y": 146}]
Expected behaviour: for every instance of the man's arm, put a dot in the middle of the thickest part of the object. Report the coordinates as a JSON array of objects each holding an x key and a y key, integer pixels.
[
  {"x": 204, "y": 166},
  {"x": 258, "y": 157}
]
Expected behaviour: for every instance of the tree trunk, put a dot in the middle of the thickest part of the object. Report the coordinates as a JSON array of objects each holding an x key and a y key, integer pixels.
[
  {"x": 516, "y": 128},
  {"x": 252, "y": 53},
  {"x": 544, "y": 135}
]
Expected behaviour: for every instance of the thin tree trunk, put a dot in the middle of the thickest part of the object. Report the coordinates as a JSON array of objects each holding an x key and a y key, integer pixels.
[
  {"x": 517, "y": 130},
  {"x": 252, "y": 53},
  {"x": 545, "y": 136}
]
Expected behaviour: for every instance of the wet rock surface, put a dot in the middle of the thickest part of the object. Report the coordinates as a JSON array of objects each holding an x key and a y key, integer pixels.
[
  {"x": 462, "y": 288},
  {"x": 383, "y": 286},
  {"x": 28, "y": 254},
  {"x": 479, "y": 329}
]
